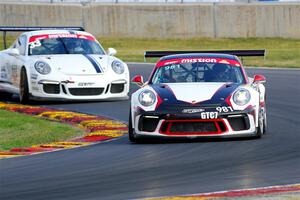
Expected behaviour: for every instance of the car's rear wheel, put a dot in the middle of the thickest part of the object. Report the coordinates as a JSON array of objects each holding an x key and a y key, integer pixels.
[{"x": 24, "y": 90}]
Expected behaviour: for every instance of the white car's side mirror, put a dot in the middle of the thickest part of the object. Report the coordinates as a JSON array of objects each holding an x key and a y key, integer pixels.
[
  {"x": 112, "y": 51},
  {"x": 13, "y": 52}
]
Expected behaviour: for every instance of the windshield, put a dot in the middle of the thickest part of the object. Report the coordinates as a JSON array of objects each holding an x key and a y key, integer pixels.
[
  {"x": 198, "y": 72},
  {"x": 46, "y": 45}
]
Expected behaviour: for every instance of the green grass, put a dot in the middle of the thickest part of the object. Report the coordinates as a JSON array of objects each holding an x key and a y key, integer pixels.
[
  {"x": 280, "y": 52},
  {"x": 19, "y": 130}
]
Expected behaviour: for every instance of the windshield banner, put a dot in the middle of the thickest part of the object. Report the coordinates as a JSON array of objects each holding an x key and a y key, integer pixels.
[{"x": 201, "y": 60}]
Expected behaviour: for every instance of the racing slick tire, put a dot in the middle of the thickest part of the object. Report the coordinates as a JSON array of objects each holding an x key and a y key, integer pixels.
[
  {"x": 131, "y": 134},
  {"x": 262, "y": 123},
  {"x": 5, "y": 95},
  {"x": 24, "y": 90}
]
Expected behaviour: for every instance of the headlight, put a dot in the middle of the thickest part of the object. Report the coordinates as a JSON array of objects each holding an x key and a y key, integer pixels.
[
  {"x": 118, "y": 67},
  {"x": 42, "y": 67},
  {"x": 241, "y": 97},
  {"x": 147, "y": 98}
]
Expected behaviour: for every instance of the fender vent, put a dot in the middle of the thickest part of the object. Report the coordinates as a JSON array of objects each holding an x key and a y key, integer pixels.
[{"x": 51, "y": 88}]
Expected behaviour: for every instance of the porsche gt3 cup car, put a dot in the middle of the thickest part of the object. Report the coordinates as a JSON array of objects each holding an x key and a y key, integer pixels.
[
  {"x": 198, "y": 95},
  {"x": 61, "y": 63}
]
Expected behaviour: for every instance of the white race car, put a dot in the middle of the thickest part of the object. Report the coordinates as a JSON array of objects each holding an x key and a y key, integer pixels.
[
  {"x": 61, "y": 63},
  {"x": 198, "y": 95}
]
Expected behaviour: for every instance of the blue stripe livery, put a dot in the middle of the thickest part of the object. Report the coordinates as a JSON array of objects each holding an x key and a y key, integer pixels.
[{"x": 94, "y": 63}]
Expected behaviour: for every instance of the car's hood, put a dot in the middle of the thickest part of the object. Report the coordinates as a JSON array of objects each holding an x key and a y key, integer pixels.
[
  {"x": 194, "y": 93},
  {"x": 78, "y": 64}
]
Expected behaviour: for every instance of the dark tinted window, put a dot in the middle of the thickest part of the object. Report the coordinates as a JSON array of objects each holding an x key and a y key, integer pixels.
[
  {"x": 198, "y": 72},
  {"x": 64, "y": 46}
]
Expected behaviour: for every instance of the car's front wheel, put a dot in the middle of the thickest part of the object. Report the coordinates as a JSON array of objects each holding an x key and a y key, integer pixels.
[
  {"x": 262, "y": 123},
  {"x": 24, "y": 90},
  {"x": 5, "y": 95},
  {"x": 131, "y": 134}
]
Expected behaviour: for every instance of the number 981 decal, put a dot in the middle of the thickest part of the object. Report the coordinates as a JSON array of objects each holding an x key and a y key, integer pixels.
[
  {"x": 224, "y": 109},
  {"x": 214, "y": 115}
]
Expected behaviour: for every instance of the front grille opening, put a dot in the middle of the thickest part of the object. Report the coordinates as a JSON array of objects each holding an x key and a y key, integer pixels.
[
  {"x": 117, "y": 87},
  {"x": 190, "y": 127},
  {"x": 239, "y": 123},
  {"x": 193, "y": 127},
  {"x": 86, "y": 91},
  {"x": 51, "y": 88},
  {"x": 164, "y": 127},
  {"x": 148, "y": 124},
  {"x": 222, "y": 126}
]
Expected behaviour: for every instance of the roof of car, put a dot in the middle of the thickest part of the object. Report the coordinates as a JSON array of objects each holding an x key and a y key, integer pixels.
[{"x": 195, "y": 55}]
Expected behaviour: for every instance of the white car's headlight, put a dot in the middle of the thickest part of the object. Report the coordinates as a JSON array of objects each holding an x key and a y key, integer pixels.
[
  {"x": 241, "y": 97},
  {"x": 147, "y": 98},
  {"x": 118, "y": 67},
  {"x": 42, "y": 67}
]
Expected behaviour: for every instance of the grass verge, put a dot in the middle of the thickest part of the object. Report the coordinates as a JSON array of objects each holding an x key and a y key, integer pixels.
[
  {"x": 19, "y": 130},
  {"x": 280, "y": 52}
]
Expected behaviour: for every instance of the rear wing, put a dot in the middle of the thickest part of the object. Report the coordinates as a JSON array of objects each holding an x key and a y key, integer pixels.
[
  {"x": 240, "y": 53},
  {"x": 6, "y": 29}
]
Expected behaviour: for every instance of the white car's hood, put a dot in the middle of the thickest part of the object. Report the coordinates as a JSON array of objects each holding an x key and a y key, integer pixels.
[
  {"x": 79, "y": 64},
  {"x": 194, "y": 92}
]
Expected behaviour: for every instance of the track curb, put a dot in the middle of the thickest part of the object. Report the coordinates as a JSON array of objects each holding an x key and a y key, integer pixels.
[
  {"x": 230, "y": 194},
  {"x": 97, "y": 128}
]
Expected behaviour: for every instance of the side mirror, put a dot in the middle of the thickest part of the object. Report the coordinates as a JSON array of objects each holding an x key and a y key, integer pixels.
[
  {"x": 138, "y": 79},
  {"x": 112, "y": 51},
  {"x": 259, "y": 79},
  {"x": 13, "y": 52}
]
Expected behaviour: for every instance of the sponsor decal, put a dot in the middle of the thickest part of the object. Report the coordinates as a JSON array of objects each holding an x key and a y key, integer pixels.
[
  {"x": 34, "y": 76},
  {"x": 193, "y": 60},
  {"x": 193, "y": 110},
  {"x": 224, "y": 109},
  {"x": 209, "y": 115},
  {"x": 202, "y": 60},
  {"x": 85, "y": 84}
]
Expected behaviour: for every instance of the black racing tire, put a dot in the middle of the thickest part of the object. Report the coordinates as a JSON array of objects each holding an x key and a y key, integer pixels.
[
  {"x": 261, "y": 129},
  {"x": 24, "y": 89},
  {"x": 131, "y": 134},
  {"x": 5, "y": 95}
]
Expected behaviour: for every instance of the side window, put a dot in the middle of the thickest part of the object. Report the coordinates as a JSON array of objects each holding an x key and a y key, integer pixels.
[{"x": 21, "y": 44}]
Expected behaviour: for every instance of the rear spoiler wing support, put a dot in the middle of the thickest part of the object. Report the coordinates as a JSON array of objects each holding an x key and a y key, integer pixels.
[
  {"x": 240, "y": 53},
  {"x": 6, "y": 29}
]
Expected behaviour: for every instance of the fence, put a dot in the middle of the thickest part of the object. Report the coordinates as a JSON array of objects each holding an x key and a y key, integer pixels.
[{"x": 163, "y": 20}]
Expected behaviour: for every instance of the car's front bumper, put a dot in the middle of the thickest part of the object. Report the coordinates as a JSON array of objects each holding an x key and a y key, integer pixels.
[
  {"x": 233, "y": 124},
  {"x": 80, "y": 88}
]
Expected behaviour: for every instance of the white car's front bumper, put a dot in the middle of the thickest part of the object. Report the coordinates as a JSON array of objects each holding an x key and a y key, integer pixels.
[{"x": 78, "y": 87}]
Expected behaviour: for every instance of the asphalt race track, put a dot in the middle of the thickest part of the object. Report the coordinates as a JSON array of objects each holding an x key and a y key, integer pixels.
[{"x": 121, "y": 170}]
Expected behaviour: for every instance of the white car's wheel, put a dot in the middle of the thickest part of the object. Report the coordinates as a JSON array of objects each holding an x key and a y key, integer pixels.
[
  {"x": 5, "y": 95},
  {"x": 24, "y": 90}
]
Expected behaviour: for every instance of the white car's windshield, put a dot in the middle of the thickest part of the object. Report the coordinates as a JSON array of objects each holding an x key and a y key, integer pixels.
[
  {"x": 198, "y": 72},
  {"x": 64, "y": 45}
]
